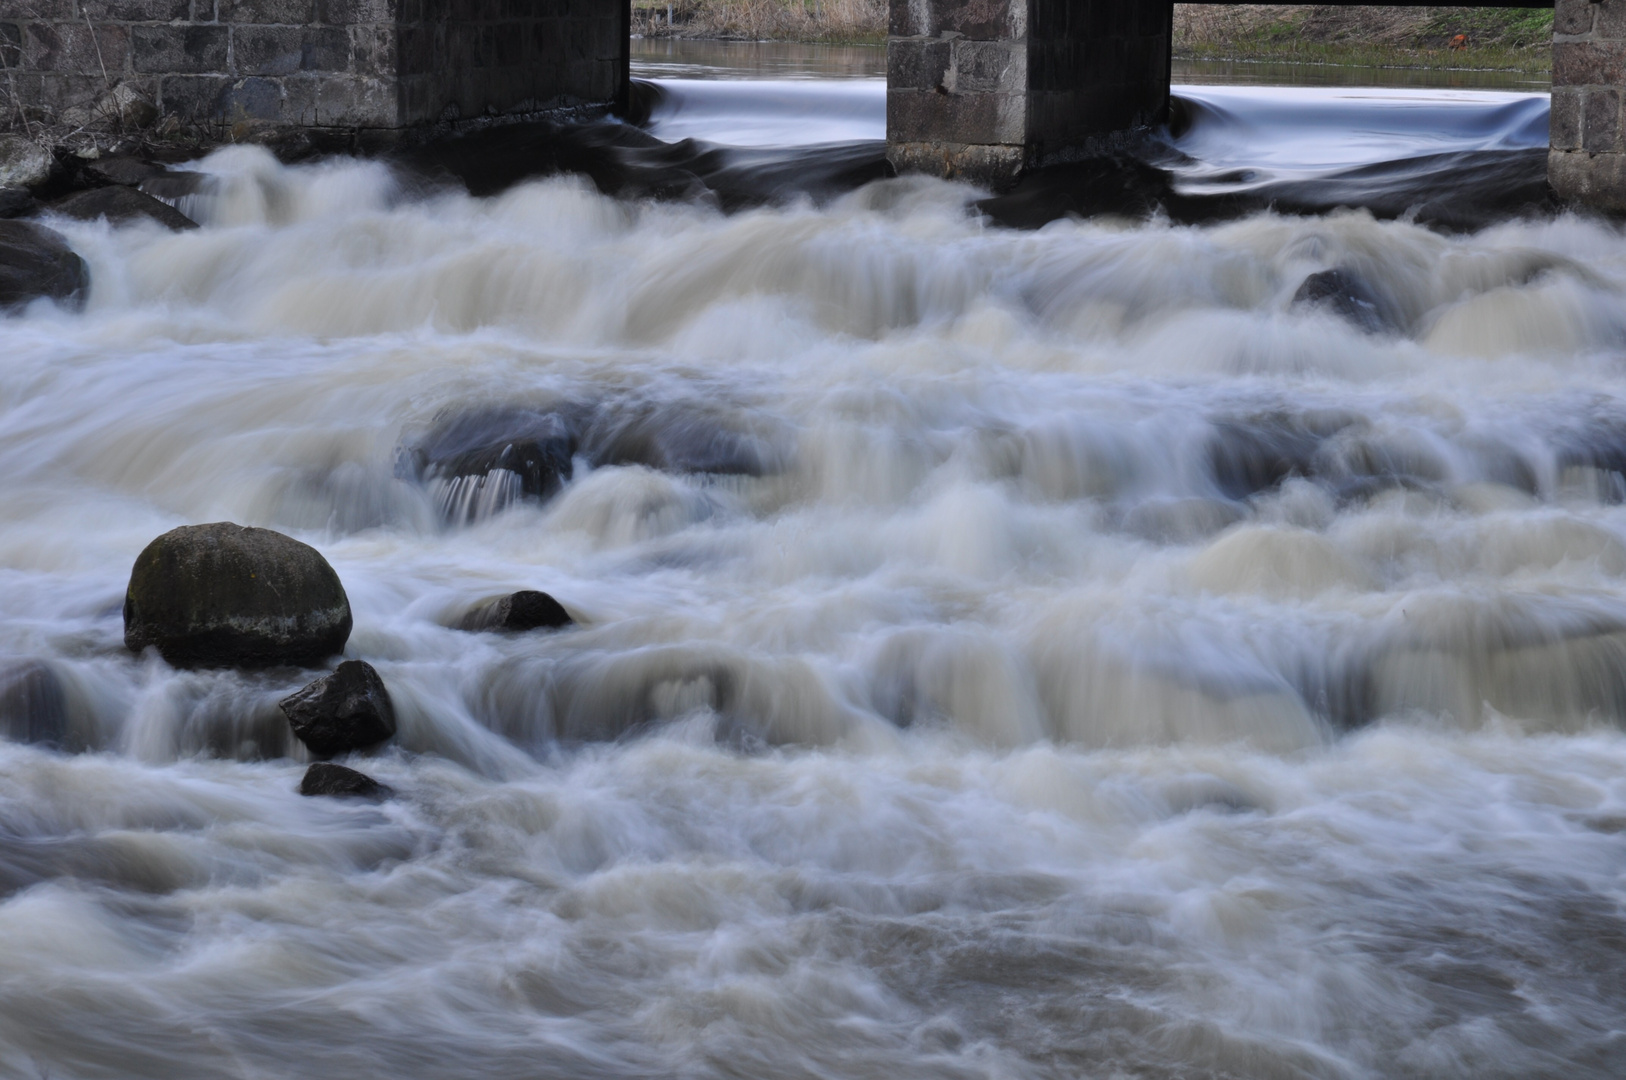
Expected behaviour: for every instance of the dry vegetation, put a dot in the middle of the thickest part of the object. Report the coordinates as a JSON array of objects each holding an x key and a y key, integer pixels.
[
  {"x": 763, "y": 20},
  {"x": 1494, "y": 37}
]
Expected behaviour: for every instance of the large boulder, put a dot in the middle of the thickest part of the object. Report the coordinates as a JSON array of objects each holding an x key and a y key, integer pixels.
[
  {"x": 36, "y": 262},
  {"x": 121, "y": 206},
  {"x": 326, "y": 778},
  {"x": 518, "y": 612},
  {"x": 24, "y": 162},
  {"x": 347, "y": 710},
  {"x": 222, "y": 595}
]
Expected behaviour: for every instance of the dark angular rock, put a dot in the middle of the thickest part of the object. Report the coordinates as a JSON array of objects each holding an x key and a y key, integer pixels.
[
  {"x": 326, "y": 778},
  {"x": 16, "y": 202},
  {"x": 347, "y": 710},
  {"x": 222, "y": 595},
  {"x": 36, "y": 262},
  {"x": 173, "y": 185},
  {"x": 1348, "y": 297},
  {"x": 33, "y": 707},
  {"x": 523, "y": 610},
  {"x": 120, "y": 171},
  {"x": 479, "y": 462},
  {"x": 121, "y": 206}
]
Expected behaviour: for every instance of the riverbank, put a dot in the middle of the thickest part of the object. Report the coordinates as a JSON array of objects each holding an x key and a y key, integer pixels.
[{"x": 1513, "y": 39}]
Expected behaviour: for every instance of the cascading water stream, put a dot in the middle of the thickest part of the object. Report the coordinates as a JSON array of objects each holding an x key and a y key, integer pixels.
[{"x": 1119, "y": 648}]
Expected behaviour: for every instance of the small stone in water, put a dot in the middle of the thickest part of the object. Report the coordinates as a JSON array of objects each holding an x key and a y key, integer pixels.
[
  {"x": 527, "y": 609},
  {"x": 326, "y": 778}
]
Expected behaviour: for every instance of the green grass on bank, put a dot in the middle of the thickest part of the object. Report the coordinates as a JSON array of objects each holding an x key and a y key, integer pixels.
[{"x": 1505, "y": 39}]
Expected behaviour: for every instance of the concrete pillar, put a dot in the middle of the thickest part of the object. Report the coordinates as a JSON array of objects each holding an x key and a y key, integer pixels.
[
  {"x": 1587, "y": 161},
  {"x": 983, "y": 89}
]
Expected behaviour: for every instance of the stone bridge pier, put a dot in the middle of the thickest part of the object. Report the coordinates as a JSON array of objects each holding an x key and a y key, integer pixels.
[
  {"x": 985, "y": 89},
  {"x": 373, "y": 68}
]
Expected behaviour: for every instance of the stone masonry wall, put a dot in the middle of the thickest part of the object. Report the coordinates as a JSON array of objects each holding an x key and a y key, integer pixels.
[
  {"x": 1587, "y": 161},
  {"x": 986, "y": 88},
  {"x": 347, "y": 64}
]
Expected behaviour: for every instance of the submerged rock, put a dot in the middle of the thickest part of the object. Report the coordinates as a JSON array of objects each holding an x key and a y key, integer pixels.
[
  {"x": 326, "y": 778},
  {"x": 347, "y": 710},
  {"x": 222, "y": 595},
  {"x": 681, "y": 437},
  {"x": 35, "y": 263},
  {"x": 479, "y": 462},
  {"x": 33, "y": 706},
  {"x": 121, "y": 206},
  {"x": 1347, "y": 296},
  {"x": 520, "y": 611}
]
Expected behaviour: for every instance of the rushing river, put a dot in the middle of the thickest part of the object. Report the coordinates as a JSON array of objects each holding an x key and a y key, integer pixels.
[{"x": 1003, "y": 653}]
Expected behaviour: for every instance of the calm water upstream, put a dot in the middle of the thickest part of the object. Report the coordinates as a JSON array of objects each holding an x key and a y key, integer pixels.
[{"x": 1003, "y": 654}]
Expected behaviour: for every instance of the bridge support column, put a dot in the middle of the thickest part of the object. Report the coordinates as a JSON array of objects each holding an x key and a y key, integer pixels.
[
  {"x": 1587, "y": 161},
  {"x": 359, "y": 66},
  {"x": 984, "y": 89}
]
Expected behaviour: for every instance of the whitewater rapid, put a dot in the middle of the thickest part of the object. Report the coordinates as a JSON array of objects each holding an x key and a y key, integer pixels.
[{"x": 1024, "y": 654}]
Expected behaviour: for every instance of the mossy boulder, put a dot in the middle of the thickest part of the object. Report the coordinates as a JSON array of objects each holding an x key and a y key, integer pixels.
[{"x": 222, "y": 595}]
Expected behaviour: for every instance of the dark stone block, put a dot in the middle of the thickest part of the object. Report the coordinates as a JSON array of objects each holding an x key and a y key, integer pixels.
[
  {"x": 325, "y": 49},
  {"x": 353, "y": 12},
  {"x": 1589, "y": 63},
  {"x": 1600, "y": 134},
  {"x": 1573, "y": 16},
  {"x": 188, "y": 49},
  {"x": 98, "y": 11},
  {"x": 250, "y": 99},
  {"x": 191, "y": 97},
  {"x": 1610, "y": 22},
  {"x": 11, "y": 44},
  {"x": 989, "y": 67},
  {"x": 40, "y": 9},
  {"x": 268, "y": 50},
  {"x": 286, "y": 12},
  {"x": 70, "y": 47},
  {"x": 326, "y": 778},
  {"x": 927, "y": 116},
  {"x": 1564, "y": 123}
]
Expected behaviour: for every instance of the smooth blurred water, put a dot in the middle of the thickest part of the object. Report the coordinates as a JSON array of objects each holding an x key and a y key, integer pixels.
[{"x": 1073, "y": 658}]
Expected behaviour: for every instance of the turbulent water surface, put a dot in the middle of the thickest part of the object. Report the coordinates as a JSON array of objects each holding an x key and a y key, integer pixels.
[{"x": 1087, "y": 651}]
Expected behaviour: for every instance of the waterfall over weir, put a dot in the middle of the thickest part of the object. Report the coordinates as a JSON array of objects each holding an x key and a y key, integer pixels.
[{"x": 1188, "y": 642}]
